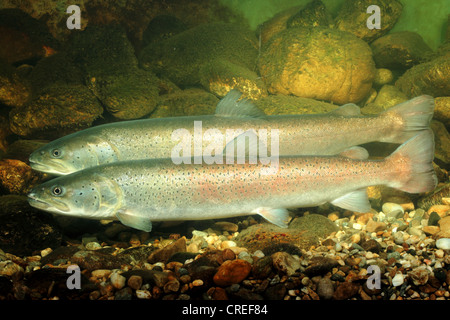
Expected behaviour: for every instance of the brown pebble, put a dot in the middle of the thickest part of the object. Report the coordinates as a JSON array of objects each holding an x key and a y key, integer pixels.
[
  {"x": 346, "y": 290},
  {"x": 219, "y": 294},
  {"x": 135, "y": 282},
  {"x": 441, "y": 209},
  {"x": 228, "y": 254},
  {"x": 375, "y": 226},
  {"x": 231, "y": 272}
]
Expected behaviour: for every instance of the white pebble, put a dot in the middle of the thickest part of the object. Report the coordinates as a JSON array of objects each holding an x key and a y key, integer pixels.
[
  {"x": 259, "y": 254},
  {"x": 398, "y": 280},
  {"x": 46, "y": 252},
  {"x": 390, "y": 208},
  {"x": 143, "y": 294},
  {"x": 439, "y": 253},
  {"x": 443, "y": 243},
  {"x": 117, "y": 280}
]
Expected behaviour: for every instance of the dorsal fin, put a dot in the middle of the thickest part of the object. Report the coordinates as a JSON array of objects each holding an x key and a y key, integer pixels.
[
  {"x": 358, "y": 153},
  {"x": 229, "y": 106},
  {"x": 349, "y": 109}
]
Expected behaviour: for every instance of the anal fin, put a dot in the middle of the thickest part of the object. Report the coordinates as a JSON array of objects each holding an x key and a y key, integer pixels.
[
  {"x": 357, "y": 201},
  {"x": 277, "y": 216}
]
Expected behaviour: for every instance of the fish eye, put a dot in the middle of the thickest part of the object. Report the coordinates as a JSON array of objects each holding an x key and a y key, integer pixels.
[
  {"x": 57, "y": 190},
  {"x": 56, "y": 153}
]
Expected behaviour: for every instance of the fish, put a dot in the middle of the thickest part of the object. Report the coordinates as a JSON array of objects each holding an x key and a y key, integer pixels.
[
  {"x": 320, "y": 134},
  {"x": 139, "y": 192}
]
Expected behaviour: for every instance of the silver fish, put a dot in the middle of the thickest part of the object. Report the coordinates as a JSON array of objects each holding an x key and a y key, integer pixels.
[
  {"x": 138, "y": 192},
  {"x": 323, "y": 134}
]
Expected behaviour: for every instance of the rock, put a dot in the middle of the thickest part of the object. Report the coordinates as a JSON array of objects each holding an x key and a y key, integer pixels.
[
  {"x": 231, "y": 272},
  {"x": 303, "y": 232},
  {"x": 400, "y": 50},
  {"x": 23, "y": 38},
  {"x": 430, "y": 230},
  {"x": 433, "y": 219},
  {"x": 442, "y": 110},
  {"x": 117, "y": 280},
  {"x": 226, "y": 226},
  {"x": 162, "y": 27},
  {"x": 124, "y": 294},
  {"x": 353, "y": 16},
  {"x": 25, "y": 229},
  {"x": 262, "y": 268},
  {"x": 382, "y": 76},
  {"x": 325, "y": 288},
  {"x": 163, "y": 254},
  {"x": 435, "y": 197},
  {"x": 94, "y": 260},
  {"x": 375, "y": 226},
  {"x": 135, "y": 282},
  {"x": 21, "y": 149},
  {"x": 275, "y": 24},
  {"x": 285, "y": 263},
  {"x": 181, "y": 57},
  {"x": 17, "y": 177},
  {"x": 430, "y": 78},
  {"x": 281, "y": 105},
  {"x": 398, "y": 279},
  {"x": 387, "y": 97},
  {"x": 371, "y": 245},
  {"x": 392, "y": 209},
  {"x": 189, "y": 102},
  {"x": 312, "y": 15},
  {"x": 443, "y": 243},
  {"x": 320, "y": 265},
  {"x": 56, "y": 112},
  {"x": 14, "y": 89},
  {"x": 346, "y": 290},
  {"x": 296, "y": 60},
  {"x": 442, "y": 144},
  {"x": 220, "y": 76},
  {"x": 276, "y": 292},
  {"x": 419, "y": 275}
]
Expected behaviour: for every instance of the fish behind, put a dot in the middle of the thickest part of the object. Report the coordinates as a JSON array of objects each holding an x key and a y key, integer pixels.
[
  {"x": 138, "y": 192},
  {"x": 321, "y": 134}
]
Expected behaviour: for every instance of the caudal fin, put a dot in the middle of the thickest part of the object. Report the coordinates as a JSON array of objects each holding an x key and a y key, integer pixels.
[
  {"x": 415, "y": 115},
  {"x": 412, "y": 163}
]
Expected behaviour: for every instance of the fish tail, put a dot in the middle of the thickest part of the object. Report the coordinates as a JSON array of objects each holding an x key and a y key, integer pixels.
[
  {"x": 415, "y": 116},
  {"x": 412, "y": 164}
]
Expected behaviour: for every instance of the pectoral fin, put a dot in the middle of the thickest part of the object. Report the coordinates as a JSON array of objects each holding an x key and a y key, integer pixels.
[
  {"x": 354, "y": 201},
  {"x": 130, "y": 219},
  {"x": 278, "y": 216}
]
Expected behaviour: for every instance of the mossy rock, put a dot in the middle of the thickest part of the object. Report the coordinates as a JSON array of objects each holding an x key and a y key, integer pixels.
[
  {"x": 189, "y": 102},
  {"x": 303, "y": 232},
  {"x": 432, "y": 78},
  {"x": 57, "y": 111},
  {"x": 352, "y": 17},
  {"x": 319, "y": 63},
  {"x": 181, "y": 57}
]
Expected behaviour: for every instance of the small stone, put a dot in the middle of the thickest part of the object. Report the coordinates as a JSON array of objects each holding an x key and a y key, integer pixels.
[
  {"x": 375, "y": 226},
  {"x": 231, "y": 272},
  {"x": 285, "y": 263},
  {"x": 197, "y": 283},
  {"x": 398, "y": 280},
  {"x": 325, "y": 288},
  {"x": 143, "y": 294},
  {"x": 93, "y": 246},
  {"x": 46, "y": 252},
  {"x": 392, "y": 209},
  {"x": 346, "y": 290},
  {"x": 443, "y": 243},
  {"x": 433, "y": 219},
  {"x": 441, "y": 209},
  {"x": 172, "y": 286},
  {"x": 439, "y": 254},
  {"x": 419, "y": 276},
  {"x": 430, "y": 230},
  {"x": 227, "y": 244},
  {"x": 226, "y": 226},
  {"x": 101, "y": 273},
  {"x": 371, "y": 245},
  {"x": 124, "y": 294},
  {"x": 135, "y": 282},
  {"x": 117, "y": 280}
]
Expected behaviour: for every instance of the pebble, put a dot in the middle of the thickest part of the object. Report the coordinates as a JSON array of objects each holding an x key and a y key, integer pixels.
[
  {"x": 325, "y": 288},
  {"x": 117, "y": 280},
  {"x": 443, "y": 243},
  {"x": 46, "y": 252},
  {"x": 285, "y": 263},
  {"x": 135, "y": 282},
  {"x": 231, "y": 272},
  {"x": 398, "y": 280},
  {"x": 143, "y": 294}
]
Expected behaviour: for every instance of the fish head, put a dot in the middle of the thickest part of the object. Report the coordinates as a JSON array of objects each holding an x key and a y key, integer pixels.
[
  {"x": 82, "y": 194},
  {"x": 72, "y": 153}
]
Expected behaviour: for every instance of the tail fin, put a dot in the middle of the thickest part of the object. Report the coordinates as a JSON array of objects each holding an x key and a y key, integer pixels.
[
  {"x": 413, "y": 161},
  {"x": 415, "y": 115}
]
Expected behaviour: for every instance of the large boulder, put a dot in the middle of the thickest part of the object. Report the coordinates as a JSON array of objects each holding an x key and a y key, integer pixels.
[
  {"x": 352, "y": 17},
  {"x": 318, "y": 63},
  {"x": 181, "y": 57}
]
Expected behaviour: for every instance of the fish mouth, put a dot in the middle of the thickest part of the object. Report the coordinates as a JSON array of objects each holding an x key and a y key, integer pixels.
[
  {"x": 43, "y": 205},
  {"x": 45, "y": 168}
]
